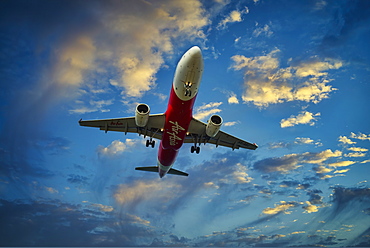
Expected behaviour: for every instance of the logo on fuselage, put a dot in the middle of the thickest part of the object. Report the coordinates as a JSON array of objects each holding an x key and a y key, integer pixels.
[{"x": 176, "y": 129}]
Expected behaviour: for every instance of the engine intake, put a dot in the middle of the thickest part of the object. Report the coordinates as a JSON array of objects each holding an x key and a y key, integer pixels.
[
  {"x": 214, "y": 125},
  {"x": 142, "y": 115}
]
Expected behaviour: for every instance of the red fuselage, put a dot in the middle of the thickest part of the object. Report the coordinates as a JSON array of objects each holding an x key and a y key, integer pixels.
[{"x": 180, "y": 107}]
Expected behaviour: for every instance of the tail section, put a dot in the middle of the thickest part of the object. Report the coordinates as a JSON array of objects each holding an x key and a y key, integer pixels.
[{"x": 155, "y": 169}]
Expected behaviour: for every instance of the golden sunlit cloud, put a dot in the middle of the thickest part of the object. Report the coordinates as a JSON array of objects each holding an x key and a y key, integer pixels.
[
  {"x": 341, "y": 164},
  {"x": 266, "y": 83},
  {"x": 234, "y": 16},
  {"x": 345, "y": 140},
  {"x": 360, "y": 136},
  {"x": 281, "y": 207}
]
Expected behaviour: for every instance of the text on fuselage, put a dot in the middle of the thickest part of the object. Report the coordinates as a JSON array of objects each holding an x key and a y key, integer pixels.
[{"x": 176, "y": 129}]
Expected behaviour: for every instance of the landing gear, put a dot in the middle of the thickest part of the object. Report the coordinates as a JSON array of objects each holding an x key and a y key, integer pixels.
[
  {"x": 195, "y": 149},
  {"x": 187, "y": 92},
  {"x": 187, "y": 86},
  {"x": 150, "y": 143}
]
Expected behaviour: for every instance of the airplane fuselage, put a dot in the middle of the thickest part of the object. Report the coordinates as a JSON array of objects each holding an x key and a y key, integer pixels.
[{"x": 179, "y": 111}]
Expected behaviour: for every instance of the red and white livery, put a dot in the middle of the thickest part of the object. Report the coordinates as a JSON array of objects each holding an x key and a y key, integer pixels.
[{"x": 177, "y": 125}]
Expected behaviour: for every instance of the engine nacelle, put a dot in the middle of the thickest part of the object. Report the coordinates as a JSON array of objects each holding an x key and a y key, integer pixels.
[
  {"x": 214, "y": 125},
  {"x": 142, "y": 115}
]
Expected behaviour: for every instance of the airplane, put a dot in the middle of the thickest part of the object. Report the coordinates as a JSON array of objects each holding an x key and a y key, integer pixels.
[{"x": 177, "y": 125}]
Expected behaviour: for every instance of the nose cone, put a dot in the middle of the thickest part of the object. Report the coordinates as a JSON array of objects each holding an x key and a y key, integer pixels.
[{"x": 195, "y": 52}]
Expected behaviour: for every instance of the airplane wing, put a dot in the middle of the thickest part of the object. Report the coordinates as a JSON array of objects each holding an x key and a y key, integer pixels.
[
  {"x": 197, "y": 134},
  {"x": 127, "y": 125}
]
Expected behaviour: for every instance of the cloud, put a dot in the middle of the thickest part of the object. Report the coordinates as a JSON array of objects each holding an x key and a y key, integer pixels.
[
  {"x": 230, "y": 123},
  {"x": 345, "y": 140},
  {"x": 266, "y": 83},
  {"x": 233, "y": 99},
  {"x": 265, "y": 30},
  {"x": 310, "y": 208},
  {"x": 357, "y": 149},
  {"x": 341, "y": 164},
  {"x": 206, "y": 110},
  {"x": 281, "y": 207},
  {"x": 283, "y": 165},
  {"x": 308, "y": 141},
  {"x": 94, "y": 106},
  {"x": 360, "y": 136},
  {"x": 288, "y": 163},
  {"x": 304, "y": 117},
  {"x": 234, "y": 16},
  {"x": 117, "y": 147},
  {"x": 103, "y": 208},
  {"x": 355, "y": 155}
]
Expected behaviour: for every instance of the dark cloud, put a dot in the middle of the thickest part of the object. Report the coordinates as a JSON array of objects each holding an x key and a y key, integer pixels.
[
  {"x": 41, "y": 223},
  {"x": 78, "y": 179},
  {"x": 283, "y": 164},
  {"x": 350, "y": 20}
]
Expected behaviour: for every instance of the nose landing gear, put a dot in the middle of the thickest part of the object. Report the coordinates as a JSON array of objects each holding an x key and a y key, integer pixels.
[{"x": 187, "y": 86}]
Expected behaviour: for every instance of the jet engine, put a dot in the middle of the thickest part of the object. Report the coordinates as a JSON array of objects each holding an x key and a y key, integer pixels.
[
  {"x": 142, "y": 115},
  {"x": 213, "y": 125}
]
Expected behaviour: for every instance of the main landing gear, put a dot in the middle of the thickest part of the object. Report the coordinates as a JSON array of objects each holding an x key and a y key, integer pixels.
[
  {"x": 195, "y": 149},
  {"x": 150, "y": 142}
]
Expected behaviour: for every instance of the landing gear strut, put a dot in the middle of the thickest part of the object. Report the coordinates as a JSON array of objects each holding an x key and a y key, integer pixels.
[{"x": 150, "y": 142}]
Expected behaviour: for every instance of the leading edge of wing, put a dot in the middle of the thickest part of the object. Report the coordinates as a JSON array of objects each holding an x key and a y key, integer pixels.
[
  {"x": 197, "y": 134},
  {"x": 128, "y": 125}
]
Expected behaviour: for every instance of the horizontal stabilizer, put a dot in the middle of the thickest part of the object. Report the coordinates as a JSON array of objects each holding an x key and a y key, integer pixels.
[
  {"x": 155, "y": 169},
  {"x": 149, "y": 168},
  {"x": 177, "y": 172}
]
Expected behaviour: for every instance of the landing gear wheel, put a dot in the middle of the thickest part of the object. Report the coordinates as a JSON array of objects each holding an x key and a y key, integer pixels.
[
  {"x": 198, "y": 149},
  {"x": 150, "y": 143},
  {"x": 192, "y": 149}
]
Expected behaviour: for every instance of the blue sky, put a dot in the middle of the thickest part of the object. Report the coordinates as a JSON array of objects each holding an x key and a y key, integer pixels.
[{"x": 292, "y": 76}]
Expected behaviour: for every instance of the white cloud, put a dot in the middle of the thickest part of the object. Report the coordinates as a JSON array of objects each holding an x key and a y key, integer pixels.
[
  {"x": 234, "y": 16},
  {"x": 265, "y": 30},
  {"x": 117, "y": 147},
  {"x": 94, "y": 106},
  {"x": 233, "y": 99},
  {"x": 230, "y": 123},
  {"x": 206, "y": 110},
  {"x": 266, "y": 83},
  {"x": 310, "y": 141},
  {"x": 304, "y": 117}
]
